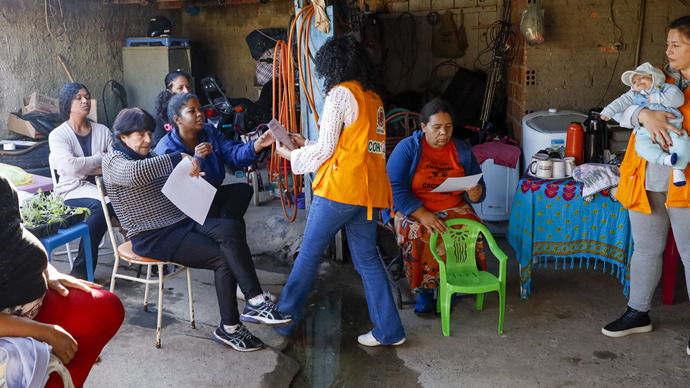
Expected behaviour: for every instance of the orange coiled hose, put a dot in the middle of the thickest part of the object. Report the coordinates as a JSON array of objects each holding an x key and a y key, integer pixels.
[{"x": 284, "y": 97}]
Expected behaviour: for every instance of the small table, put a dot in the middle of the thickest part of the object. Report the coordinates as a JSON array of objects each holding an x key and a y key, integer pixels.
[
  {"x": 64, "y": 236},
  {"x": 549, "y": 219},
  {"x": 40, "y": 182}
]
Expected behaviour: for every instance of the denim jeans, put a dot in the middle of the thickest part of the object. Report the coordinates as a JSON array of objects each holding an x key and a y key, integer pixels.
[
  {"x": 97, "y": 228},
  {"x": 325, "y": 219}
]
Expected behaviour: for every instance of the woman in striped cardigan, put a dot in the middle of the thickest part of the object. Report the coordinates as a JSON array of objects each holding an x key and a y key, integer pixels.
[{"x": 134, "y": 177}]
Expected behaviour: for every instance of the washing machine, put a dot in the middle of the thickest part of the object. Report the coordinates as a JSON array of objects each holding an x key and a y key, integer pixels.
[
  {"x": 546, "y": 129},
  {"x": 501, "y": 183}
]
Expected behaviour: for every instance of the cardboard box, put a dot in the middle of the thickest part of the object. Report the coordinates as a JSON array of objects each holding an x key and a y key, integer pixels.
[
  {"x": 41, "y": 103},
  {"x": 22, "y": 127}
]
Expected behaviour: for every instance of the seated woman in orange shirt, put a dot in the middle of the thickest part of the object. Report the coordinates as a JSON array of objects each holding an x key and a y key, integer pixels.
[{"x": 417, "y": 165}]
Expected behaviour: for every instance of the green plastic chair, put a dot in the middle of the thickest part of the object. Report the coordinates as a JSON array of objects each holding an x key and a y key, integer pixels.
[{"x": 459, "y": 272}]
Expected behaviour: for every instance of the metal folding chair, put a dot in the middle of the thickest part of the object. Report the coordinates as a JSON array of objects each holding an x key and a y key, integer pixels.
[{"x": 124, "y": 252}]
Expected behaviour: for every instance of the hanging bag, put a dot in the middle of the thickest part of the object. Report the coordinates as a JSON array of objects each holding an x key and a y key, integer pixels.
[
  {"x": 532, "y": 23},
  {"x": 446, "y": 40},
  {"x": 462, "y": 34}
]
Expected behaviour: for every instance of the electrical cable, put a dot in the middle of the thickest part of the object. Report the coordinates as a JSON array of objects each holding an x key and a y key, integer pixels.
[
  {"x": 406, "y": 46},
  {"x": 119, "y": 92},
  {"x": 615, "y": 65},
  {"x": 502, "y": 45},
  {"x": 48, "y": 6}
]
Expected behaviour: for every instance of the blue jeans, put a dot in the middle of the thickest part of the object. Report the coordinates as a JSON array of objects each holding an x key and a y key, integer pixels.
[{"x": 325, "y": 219}]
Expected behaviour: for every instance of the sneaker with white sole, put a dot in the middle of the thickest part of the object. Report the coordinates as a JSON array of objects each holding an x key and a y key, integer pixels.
[
  {"x": 240, "y": 295},
  {"x": 241, "y": 339},
  {"x": 369, "y": 340},
  {"x": 687, "y": 350},
  {"x": 266, "y": 313},
  {"x": 631, "y": 322}
]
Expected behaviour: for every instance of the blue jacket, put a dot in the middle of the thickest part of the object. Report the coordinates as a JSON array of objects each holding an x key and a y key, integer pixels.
[
  {"x": 402, "y": 165},
  {"x": 232, "y": 152}
]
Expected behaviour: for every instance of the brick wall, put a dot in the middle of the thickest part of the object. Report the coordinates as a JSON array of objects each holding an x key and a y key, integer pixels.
[{"x": 570, "y": 69}]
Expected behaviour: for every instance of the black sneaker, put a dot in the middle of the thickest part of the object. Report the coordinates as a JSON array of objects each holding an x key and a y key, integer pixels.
[
  {"x": 266, "y": 313},
  {"x": 687, "y": 350},
  {"x": 631, "y": 322},
  {"x": 241, "y": 339}
]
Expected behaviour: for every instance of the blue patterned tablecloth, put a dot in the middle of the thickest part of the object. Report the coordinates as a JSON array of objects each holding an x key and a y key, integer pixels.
[{"x": 549, "y": 219}]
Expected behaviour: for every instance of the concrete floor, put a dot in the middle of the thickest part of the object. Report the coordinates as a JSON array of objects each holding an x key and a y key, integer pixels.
[{"x": 552, "y": 339}]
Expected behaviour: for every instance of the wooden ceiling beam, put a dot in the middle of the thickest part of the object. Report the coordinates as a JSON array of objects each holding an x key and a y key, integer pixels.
[{"x": 173, "y": 4}]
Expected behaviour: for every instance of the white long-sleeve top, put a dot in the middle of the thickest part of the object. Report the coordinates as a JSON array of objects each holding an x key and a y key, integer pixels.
[
  {"x": 71, "y": 164},
  {"x": 340, "y": 110}
]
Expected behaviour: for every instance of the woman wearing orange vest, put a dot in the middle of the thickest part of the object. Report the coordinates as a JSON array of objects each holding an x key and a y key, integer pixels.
[
  {"x": 647, "y": 191},
  {"x": 350, "y": 187}
]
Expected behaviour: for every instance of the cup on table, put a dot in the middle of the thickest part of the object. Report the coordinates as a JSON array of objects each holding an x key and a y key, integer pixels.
[
  {"x": 569, "y": 165},
  {"x": 558, "y": 169},
  {"x": 544, "y": 169},
  {"x": 532, "y": 168}
]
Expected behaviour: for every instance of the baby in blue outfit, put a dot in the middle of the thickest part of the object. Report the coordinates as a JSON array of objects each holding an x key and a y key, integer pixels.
[{"x": 648, "y": 89}]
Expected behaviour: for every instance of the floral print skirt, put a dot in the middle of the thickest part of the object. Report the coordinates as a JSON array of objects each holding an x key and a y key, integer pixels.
[{"x": 421, "y": 268}]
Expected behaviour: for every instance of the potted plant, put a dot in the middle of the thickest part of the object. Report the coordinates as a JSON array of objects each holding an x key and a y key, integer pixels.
[
  {"x": 74, "y": 215},
  {"x": 34, "y": 221},
  {"x": 45, "y": 213}
]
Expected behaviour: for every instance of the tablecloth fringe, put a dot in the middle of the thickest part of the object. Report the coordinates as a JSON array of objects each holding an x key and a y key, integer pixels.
[{"x": 616, "y": 268}]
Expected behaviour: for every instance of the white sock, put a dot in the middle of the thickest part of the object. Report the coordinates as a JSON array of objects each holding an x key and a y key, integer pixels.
[
  {"x": 231, "y": 328},
  {"x": 667, "y": 161},
  {"x": 678, "y": 177},
  {"x": 257, "y": 300}
]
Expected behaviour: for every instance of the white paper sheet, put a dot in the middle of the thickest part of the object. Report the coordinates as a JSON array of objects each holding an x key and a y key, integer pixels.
[
  {"x": 191, "y": 195},
  {"x": 458, "y": 184}
]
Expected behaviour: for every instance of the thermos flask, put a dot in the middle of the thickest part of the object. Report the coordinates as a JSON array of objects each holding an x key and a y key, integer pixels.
[
  {"x": 595, "y": 136},
  {"x": 574, "y": 142},
  {"x": 592, "y": 147}
]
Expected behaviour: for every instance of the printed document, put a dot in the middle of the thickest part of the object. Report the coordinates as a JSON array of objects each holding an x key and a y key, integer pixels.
[
  {"x": 458, "y": 184},
  {"x": 191, "y": 195},
  {"x": 281, "y": 134}
]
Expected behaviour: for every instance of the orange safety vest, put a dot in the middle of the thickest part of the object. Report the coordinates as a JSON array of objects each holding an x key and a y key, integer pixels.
[
  {"x": 631, "y": 188},
  {"x": 356, "y": 172}
]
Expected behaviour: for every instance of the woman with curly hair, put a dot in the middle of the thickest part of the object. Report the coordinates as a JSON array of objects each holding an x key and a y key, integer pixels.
[{"x": 351, "y": 185}]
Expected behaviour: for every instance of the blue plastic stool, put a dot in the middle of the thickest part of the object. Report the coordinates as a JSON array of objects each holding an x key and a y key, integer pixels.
[
  {"x": 64, "y": 236},
  {"x": 157, "y": 41}
]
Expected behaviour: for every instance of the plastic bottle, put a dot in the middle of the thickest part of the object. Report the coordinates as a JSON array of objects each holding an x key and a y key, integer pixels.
[{"x": 574, "y": 142}]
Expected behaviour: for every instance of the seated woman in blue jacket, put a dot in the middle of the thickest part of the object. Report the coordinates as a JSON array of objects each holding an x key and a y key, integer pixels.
[
  {"x": 191, "y": 134},
  {"x": 417, "y": 165}
]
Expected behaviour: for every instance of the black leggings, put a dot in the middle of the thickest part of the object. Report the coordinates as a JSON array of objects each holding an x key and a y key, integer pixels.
[
  {"x": 221, "y": 245},
  {"x": 231, "y": 201}
]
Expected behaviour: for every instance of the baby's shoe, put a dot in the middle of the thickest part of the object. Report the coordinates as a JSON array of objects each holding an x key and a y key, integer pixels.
[
  {"x": 671, "y": 159},
  {"x": 678, "y": 177}
]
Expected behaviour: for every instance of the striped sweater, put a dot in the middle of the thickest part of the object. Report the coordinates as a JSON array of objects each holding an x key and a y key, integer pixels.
[{"x": 134, "y": 186}]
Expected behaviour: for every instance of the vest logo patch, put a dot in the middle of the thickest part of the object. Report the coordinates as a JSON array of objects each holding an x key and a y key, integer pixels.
[
  {"x": 377, "y": 147},
  {"x": 381, "y": 121}
]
